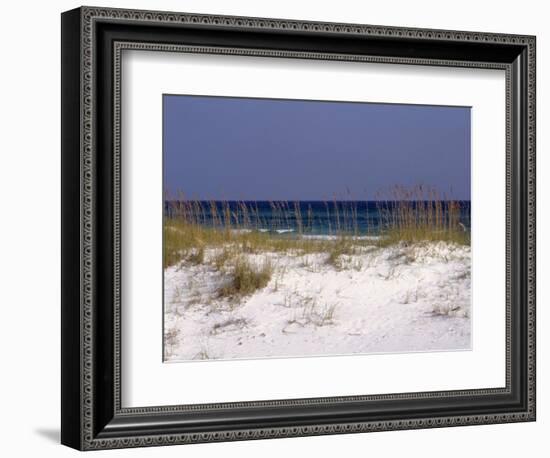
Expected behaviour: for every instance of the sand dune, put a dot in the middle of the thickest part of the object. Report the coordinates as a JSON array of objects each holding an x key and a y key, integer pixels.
[{"x": 393, "y": 299}]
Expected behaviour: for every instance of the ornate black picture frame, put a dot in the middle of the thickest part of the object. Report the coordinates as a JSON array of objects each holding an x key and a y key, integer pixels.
[{"x": 92, "y": 42}]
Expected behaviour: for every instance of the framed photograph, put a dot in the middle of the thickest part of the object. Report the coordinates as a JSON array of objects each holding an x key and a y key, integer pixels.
[{"x": 276, "y": 228}]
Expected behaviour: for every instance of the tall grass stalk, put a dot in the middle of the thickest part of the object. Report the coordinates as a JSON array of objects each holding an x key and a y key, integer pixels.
[{"x": 405, "y": 215}]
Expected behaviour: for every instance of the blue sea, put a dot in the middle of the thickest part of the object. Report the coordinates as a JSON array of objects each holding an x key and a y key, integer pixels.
[{"x": 303, "y": 217}]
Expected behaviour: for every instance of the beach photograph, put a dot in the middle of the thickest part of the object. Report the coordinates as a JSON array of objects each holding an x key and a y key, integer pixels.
[{"x": 303, "y": 228}]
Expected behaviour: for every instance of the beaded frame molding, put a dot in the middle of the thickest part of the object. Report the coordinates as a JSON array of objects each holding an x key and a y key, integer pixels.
[{"x": 92, "y": 42}]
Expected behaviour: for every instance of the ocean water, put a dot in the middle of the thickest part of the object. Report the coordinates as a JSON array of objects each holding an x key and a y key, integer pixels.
[{"x": 304, "y": 217}]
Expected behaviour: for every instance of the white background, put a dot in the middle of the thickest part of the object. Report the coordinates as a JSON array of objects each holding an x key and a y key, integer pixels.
[
  {"x": 148, "y": 75},
  {"x": 29, "y": 245}
]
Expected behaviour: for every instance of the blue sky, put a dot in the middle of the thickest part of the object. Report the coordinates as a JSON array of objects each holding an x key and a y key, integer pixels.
[{"x": 226, "y": 148}]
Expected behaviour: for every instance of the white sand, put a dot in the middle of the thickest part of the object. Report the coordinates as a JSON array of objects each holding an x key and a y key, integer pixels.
[{"x": 396, "y": 299}]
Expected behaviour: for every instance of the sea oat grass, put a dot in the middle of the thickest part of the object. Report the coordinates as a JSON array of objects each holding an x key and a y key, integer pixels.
[
  {"x": 181, "y": 239},
  {"x": 246, "y": 278},
  {"x": 338, "y": 248},
  {"x": 395, "y": 236},
  {"x": 409, "y": 215},
  {"x": 223, "y": 257}
]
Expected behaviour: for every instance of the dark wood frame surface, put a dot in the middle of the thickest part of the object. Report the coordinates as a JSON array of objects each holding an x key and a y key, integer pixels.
[{"x": 92, "y": 42}]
